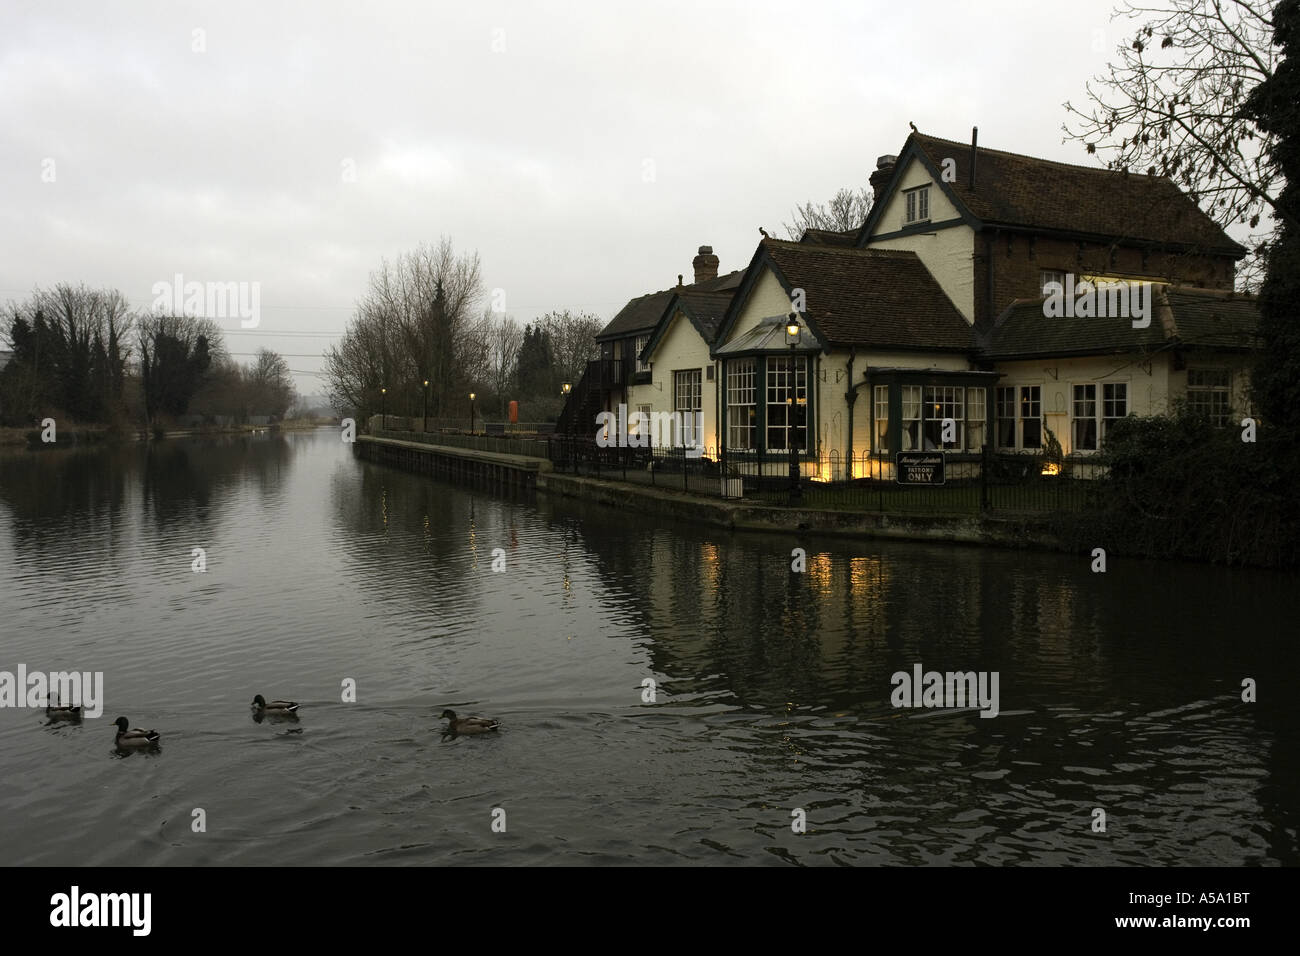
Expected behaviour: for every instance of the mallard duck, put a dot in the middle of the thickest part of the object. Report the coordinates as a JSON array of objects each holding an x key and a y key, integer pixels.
[
  {"x": 275, "y": 708},
  {"x": 133, "y": 739},
  {"x": 56, "y": 712},
  {"x": 468, "y": 725}
]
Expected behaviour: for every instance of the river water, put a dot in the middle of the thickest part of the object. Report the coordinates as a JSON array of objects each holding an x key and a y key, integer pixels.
[{"x": 1118, "y": 691}]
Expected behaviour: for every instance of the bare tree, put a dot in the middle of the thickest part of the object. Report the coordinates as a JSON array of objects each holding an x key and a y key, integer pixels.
[
  {"x": 847, "y": 209},
  {"x": 503, "y": 337},
  {"x": 573, "y": 341},
  {"x": 1171, "y": 105},
  {"x": 413, "y": 324}
]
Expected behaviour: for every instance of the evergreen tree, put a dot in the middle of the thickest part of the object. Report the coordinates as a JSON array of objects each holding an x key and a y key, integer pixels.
[{"x": 1275, "y": 107}]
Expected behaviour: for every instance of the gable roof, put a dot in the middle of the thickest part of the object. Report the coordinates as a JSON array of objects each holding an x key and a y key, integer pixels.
[
  {"x": 879, "y": 298},
  {"x": 1195, "y": 319},
  {"x": 1025, "y": 192},
  {"x": 642, "y": 314},
  {"x": 704, "y": 310}
]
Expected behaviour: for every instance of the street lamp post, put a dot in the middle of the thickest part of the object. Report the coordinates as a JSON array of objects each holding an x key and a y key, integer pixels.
[
  {"x": 471, "y": 413},
  {"x": 383, "y": 408},
  {"x": 565, "y": 389},
  {"x": 424, "y": 409},
  {"x": 792, "y": 333}
]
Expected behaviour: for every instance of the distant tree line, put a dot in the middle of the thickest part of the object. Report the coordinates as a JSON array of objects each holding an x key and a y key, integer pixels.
[
  {"x": 81, "y": 355},
  {"x": 423, "y": 319}
]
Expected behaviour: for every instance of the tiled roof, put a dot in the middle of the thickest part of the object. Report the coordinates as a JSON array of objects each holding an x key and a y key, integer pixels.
[
  {"x": 705, "y": 310},
  {"x": 828, "y": 237},
  {"x": 881, "y": 298},
  {"x": 1197, "y": 318},
  {"x": 1012, "y": 189},
  {"x": 1209, "y": 319},
  {"x": 642, "y": 314}
]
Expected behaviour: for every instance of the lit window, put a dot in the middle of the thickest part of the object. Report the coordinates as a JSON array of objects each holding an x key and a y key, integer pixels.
[
  {"x": 911, "y": 417},
  {"x": 882, "y": 418},
  {"x": 639, "y": 421},
  {"x": 740, "y": 404},
  {"x": 787, "y": 402},
  {"x": 941, "y": 402}
]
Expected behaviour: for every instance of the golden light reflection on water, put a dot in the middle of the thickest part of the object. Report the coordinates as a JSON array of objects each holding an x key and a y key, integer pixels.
[{"x": 710, "y": 565}]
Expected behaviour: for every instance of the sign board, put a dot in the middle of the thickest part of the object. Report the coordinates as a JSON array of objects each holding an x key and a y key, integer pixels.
[{"x": 919, "y": 468}]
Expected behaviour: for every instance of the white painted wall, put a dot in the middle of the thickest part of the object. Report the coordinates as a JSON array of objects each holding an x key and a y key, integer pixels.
[{"x": 947, "y": 253}]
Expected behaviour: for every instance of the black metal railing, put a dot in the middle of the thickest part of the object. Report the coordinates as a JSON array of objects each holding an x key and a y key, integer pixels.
[{"x": 973, "y": 484}]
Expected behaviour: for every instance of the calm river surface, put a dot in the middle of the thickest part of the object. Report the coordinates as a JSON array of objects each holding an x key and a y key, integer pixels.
[{"x": 1119, "y": 691}]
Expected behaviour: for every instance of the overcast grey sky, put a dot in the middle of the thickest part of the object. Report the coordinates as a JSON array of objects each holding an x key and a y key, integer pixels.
[{"x": 519, "y": 130}]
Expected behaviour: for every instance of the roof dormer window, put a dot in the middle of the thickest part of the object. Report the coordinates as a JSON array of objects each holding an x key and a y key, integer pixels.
[{"x": 918, "y": 204}]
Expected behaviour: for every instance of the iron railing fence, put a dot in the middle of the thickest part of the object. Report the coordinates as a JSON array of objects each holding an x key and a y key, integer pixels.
[{"x": 972, "y": 483}]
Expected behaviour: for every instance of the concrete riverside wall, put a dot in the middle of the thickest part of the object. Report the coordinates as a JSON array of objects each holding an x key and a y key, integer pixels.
[
  {"x": 445, "y": 461},
  {"x": 1018, "y": 532}
]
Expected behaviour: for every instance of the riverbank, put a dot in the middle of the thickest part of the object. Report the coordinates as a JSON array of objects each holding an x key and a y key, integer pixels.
[
  {"x": 1000, "y": 531},
  {"x": 1010, "y": 531},
  {"x": 13, "y": 438}
]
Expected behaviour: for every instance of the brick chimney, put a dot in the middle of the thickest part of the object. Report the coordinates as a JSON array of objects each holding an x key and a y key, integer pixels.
[
  {"x": 880, "y": 178},
  {"x": 705, "y": 264}
]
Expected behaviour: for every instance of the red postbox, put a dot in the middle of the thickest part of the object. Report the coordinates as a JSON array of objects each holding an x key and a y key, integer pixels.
[{"x": 514, "y": 413}]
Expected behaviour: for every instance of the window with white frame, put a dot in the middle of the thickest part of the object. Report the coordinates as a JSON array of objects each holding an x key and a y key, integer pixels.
[
  {"x": 882, "y": 418},
  {"x": 1084, "y": 426},
  {"x": 787, "y": 402},
  {"x": 1031, "y": 417},
  {"x": 976, "y": 413},
  {"x": 1006, "y": 412},
  {"x": 1048, "y": 276},
  {"x": 1209, "y": 393},
  {"x": 918, "y": 204},
  {"x": 911, "y": 422},
  {"x": 641, "y": 341},
  {"x": 1114, "y": 405},
  {"x": 740, "y": 404},
  {"x": 1020, "y": 417},
  {"x": 687, "y": 395},
  {"x": 944, "y": 401}
]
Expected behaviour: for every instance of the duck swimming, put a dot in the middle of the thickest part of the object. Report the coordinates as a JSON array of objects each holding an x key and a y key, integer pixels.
[
  {"x": 468, "y": 725},
  {"x": 56, "y": 712},
  {"x": 134, "y": 739},
  {"x": 275, "y": 708}
]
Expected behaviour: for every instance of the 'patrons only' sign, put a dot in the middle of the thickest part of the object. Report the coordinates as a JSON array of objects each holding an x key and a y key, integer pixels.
[{"x": 919, "y": 467}]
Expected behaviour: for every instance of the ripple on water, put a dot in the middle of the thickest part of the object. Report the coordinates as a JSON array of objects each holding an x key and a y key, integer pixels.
[{"x": 771, "y": 692}]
